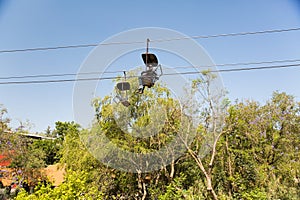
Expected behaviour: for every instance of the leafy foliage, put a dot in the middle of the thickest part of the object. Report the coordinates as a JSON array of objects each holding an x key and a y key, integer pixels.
[
  {"x": 74, "y": 187},
  {"x": 256, "y": 156}
]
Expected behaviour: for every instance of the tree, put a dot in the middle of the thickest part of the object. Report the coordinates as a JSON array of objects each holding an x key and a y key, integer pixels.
[
  {"x": 246, "y": 150},
  {"x": 211, "y": 112},
  {"x": 62, "y": 128},
  {"x": 26, "y": 160},
  {"x": 74, "y": 187},
  {"x": 131, "y": 130},
  {"x": 4, "y": 134},
  {"x": 260, "y": 152},
  {"x": 50, "y": 148},
  {"x": 3, "y": 120}
]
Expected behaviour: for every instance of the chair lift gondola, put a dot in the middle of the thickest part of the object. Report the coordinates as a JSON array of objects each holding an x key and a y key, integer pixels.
[
  {"x": 149, "y": 76},
  {"x": 121, "y": 96}
]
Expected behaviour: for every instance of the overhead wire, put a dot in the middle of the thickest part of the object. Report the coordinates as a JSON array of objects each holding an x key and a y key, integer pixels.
[
  {"x": 155, "y": 40},
  {"x": 229, "y": 34},
  {"x": 238, "y": 64},
  {"x": 134, "y": 42},
  {"x": 165, "y": 74},
  {"x": 58, "y": 75},
  {"x": 121, "y": 71},
  {"x": 240, "y": 69}
]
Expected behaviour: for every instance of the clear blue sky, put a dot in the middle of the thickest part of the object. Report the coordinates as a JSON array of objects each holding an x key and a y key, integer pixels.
[{"x": 39, "y": 23}]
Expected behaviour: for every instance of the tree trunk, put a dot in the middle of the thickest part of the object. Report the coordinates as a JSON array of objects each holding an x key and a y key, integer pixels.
[
  {"x": 229, "y": 168},
  {"x": 144, "y": 191},
  {"x": 210, "y": 189}
]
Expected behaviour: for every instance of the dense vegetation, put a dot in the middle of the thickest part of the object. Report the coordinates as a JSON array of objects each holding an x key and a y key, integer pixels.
[{"x": 254, "y": 154}]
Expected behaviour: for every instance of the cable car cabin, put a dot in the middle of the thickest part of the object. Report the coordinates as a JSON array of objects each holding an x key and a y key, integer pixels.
[
  {"x": 122, "y": 97},
  {"x": 149, "y": 76}
]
